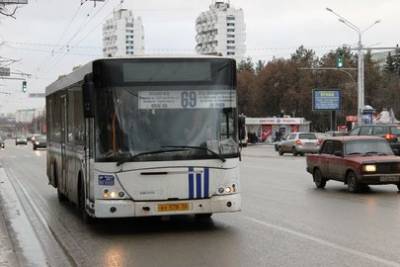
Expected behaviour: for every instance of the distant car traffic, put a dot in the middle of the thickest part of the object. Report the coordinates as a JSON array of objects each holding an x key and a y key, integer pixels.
[
  {"x": 277, "y": 144},
  {"x": 355, "y": 161},
  {"x": 20, "y": 140},
  {"x": 2, "y": 144},
  {"x": 40, "y": 141},
  {"x": 299, "y": 144},
  {"x": 33, "y": 137},
  {"x": 390, "y": 132}
]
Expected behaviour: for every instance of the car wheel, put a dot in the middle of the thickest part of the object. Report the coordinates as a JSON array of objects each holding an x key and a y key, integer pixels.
[
  {"x": 319, "y": 180},
  {"x": 34, "y": 147},
  {"x": 280, "y": 152},
  {"x": 294, "y": 151},
  {"x": 352, "y": 184}
]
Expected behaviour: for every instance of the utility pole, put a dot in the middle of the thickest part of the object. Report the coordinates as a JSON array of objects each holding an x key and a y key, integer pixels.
[{"x": 360, "y": 48}]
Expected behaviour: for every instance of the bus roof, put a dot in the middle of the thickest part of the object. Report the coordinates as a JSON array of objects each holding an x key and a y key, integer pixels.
[{"x": 78, "y": 74}]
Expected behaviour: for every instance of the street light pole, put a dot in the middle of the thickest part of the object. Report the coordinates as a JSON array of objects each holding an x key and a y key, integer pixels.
[
  {"x": 360, "y": 80},
  {"x": 361, "y": 73}
]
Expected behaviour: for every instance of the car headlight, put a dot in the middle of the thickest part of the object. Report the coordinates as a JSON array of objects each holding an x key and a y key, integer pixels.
[
  {"x": 369, "y": 168},
  {"x": 37, "y": 143}
]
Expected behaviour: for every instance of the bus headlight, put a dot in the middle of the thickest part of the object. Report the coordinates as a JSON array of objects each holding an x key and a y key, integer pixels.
[
  {"x": 107, "y": 194},
  {"x": 227, "y": 189},
  {"x": 369, "y": 168}
]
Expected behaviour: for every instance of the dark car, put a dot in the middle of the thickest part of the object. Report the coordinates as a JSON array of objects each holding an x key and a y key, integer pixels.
[
  {"x": 40, "y": 141},
  {"x": 390, "y": 132},
  {"x": 355, "y": 160},
  {"x": 20, "y": 140},
  {"x": 2, "y": 144}
]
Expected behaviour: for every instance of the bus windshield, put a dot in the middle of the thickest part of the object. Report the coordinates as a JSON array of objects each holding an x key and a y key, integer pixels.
[{"x": 135, "y": 120}]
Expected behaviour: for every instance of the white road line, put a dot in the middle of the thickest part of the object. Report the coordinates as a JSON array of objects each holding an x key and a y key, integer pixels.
[{"x": 324, "y": 242}]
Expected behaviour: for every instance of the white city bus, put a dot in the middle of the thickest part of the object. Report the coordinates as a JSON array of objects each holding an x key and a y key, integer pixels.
[{"x": 145, "y": 136}]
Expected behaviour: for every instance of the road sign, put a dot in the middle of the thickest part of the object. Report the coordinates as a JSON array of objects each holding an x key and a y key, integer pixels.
[
  {"x": 14, "y": 2},
  {"x": 326, "y": 99},
  {"x": 4, "y": 71}
]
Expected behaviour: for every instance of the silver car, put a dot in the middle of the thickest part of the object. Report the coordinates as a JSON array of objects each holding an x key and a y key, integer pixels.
[{"x": 299, "y": 144}]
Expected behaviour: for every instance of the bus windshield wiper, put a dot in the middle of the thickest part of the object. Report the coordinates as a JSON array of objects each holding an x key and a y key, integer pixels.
[
  {"x": 199, "y": 148},
  {"x": 133, "y": 157}
]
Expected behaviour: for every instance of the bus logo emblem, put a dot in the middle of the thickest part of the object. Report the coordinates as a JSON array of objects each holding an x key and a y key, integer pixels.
[{"x": 106, "y": 180}]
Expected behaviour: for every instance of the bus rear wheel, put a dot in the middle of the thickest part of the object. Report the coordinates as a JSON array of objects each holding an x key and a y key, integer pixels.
[{"x": 61, "y": 197}]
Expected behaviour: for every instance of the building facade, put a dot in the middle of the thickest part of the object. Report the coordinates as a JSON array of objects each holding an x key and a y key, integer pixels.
[
  {"x": 123, "y": 34},
  {"x": 221, "y": 31}
]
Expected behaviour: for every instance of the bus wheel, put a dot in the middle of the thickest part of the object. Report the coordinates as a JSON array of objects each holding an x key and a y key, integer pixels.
[
  {"x": 203, "y": 216},
  {"x": 61, "y": 197},
  {"x": 81, "y": 204}
]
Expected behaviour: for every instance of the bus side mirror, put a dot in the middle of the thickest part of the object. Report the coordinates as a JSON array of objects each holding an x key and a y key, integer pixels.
[{"x": 88, "y": 98}]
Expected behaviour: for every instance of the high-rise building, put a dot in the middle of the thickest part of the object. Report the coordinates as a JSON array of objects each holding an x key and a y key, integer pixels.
[
  {"x": 123, "y": 34},
  {"x": 221, "y": 31}
]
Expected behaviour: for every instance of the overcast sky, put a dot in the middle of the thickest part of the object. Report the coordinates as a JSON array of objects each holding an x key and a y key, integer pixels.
[{"x": 49, "y": 37}]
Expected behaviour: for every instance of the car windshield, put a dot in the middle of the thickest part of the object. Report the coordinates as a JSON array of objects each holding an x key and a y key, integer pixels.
[
  {"x": 129, "y": 124},
  {"x": 41, "y": 138},
  {"x": 395, "y": 130},
  {"x": 310, "y": 136},
  {"x": 364, "y": 147}
]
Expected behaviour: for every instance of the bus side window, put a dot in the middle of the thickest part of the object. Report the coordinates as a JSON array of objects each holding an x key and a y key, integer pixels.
[{"x": 78, "y": 118}]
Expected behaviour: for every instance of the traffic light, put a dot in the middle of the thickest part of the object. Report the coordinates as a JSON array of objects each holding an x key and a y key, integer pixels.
[
  {"x": 24, "y": 86},
  {"x": 340, "y": 60}
]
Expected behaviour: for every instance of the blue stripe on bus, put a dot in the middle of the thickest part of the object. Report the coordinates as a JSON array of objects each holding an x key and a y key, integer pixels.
[
  {"x": 191, "y": 183},
  {"x": 206, "y": 182},
  {"x": 198, "y": 185}
]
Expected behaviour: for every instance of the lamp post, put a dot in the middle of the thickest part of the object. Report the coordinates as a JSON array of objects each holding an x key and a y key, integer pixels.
[{"x": 360, "y": 74}]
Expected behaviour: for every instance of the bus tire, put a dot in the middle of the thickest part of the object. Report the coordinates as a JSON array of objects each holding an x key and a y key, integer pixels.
[
  {"x": 61, "y": 197},
  {"x": 86, "y": 218},
  {"x": 203, "y": 216}
]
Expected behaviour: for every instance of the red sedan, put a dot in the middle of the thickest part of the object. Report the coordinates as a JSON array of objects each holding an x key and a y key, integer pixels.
[{"x": 356, "y": 161}]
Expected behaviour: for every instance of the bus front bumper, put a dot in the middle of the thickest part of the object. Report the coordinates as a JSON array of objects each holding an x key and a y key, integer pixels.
[{"x": 129, "y": 208}]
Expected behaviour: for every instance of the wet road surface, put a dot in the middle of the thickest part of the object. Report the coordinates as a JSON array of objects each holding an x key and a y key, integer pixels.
[{"x": 285, "y": 222}]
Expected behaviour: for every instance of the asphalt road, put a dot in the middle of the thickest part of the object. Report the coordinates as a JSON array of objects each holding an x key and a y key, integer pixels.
[{"x": 285, "y": 222}]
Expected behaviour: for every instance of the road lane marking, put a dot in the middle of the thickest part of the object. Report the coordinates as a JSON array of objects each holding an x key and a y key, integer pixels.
[{"x": 324, "y": 242}]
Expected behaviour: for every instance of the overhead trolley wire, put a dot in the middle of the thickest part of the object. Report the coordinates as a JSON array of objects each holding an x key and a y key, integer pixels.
[{"x": 57, "y": 60}]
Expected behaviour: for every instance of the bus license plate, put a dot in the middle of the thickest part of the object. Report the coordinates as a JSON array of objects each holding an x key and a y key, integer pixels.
[
  {"x": 173, "y": 207},
  {"x": 389, "y": 178}
]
